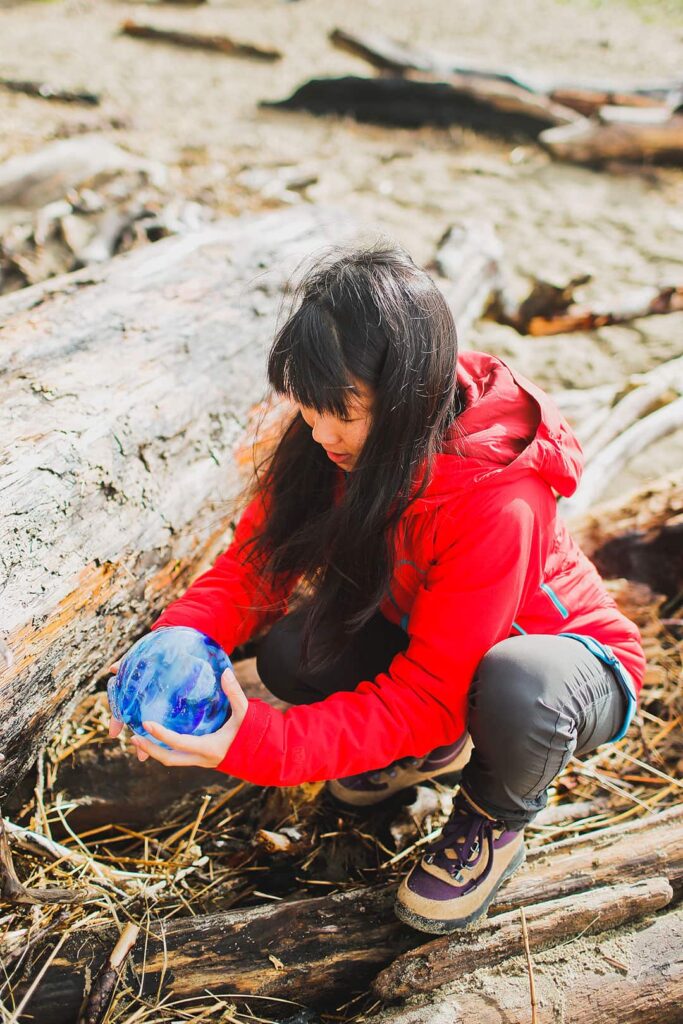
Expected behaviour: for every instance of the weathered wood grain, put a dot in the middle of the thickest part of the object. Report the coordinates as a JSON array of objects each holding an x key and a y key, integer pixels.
[
  {"x": 549, "y": 923},
  {"x": 123, "y": 394},
  {"x": 637, "y": 981}
]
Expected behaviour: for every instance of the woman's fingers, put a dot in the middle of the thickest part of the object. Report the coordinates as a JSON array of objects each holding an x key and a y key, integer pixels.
[
  {"x": 178, "y": 740},
  {"x": 171, "y": 758},
  {"x": 115, "y": 727},
  {"x": 114, "y": 667},
  {"x": 236, "y": 695},
  {"x": 187, "y": 749}
]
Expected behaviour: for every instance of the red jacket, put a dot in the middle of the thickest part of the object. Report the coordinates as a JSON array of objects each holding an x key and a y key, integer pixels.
[{"x": 481, "y": 556}]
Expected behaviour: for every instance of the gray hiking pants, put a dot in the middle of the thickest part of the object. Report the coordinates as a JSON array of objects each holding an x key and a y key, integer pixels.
[{"x": 535, "y": 700}]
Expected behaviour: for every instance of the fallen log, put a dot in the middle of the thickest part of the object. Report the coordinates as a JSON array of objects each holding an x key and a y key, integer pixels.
[
  {"x": 499, "y": 108},
  {"x": 646, "y": 392},
  {"x": 618, "y": 138},
  {"x": 550, "y": 309},
  {"x": 387, "y": 54},
  {"x": 607, "y": 463},
  {"x": 198, "y": 41},
  {"x": 549, "y": 923},
  {"x": 44, "y": 91},
  {"x": 333, "y": 945},
  {"x": 635, "y": 979},
  {"x": 125, "y": 390},
  {"x": 469, "y": 256},
  {"x": 47, "y": 174}
]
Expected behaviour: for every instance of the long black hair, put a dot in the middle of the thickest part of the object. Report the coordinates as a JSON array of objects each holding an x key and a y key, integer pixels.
[{"x": 368, "y": 315}]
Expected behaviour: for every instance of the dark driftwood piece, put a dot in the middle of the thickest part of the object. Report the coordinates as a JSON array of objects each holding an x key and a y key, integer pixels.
[
  {"x": 198, "y": 41},
  {"x": 551, "y": 309},
  {"x": 387, "y": 54},
  {"x": 333, "y": 945},
  {"x": 502, "y": 109},
  {"x": 638, "y": 982},
  {"x": 617, "y": 136},
  {"x": 548, "y": 923},
  {"x": 124, "y": 391},
  {"x": 44, "y": 91}
]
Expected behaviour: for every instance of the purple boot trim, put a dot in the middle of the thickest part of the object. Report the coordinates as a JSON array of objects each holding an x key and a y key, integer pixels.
[
  {"x": 443, "y": 755},
  {"x": 422, "y": 883}
]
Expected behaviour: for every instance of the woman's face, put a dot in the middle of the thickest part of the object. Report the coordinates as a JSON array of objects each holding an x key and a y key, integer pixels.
[{"x": 343, "y": 439}]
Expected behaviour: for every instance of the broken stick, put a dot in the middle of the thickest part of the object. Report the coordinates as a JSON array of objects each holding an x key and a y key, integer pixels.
[{"x": 197, "y": 41}]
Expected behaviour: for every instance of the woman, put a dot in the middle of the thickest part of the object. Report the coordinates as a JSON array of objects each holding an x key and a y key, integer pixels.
[{"x": 441, "y": 597}]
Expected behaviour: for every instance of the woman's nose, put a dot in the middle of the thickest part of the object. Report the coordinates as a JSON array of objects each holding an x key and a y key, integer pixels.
[{"x": 323, "y": 431}]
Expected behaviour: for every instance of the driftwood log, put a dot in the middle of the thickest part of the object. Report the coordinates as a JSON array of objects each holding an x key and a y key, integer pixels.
[
  {"x": 469, "y": 258},
  {"x": 33, "y": 179},
  {"x": 637, "y": 981},
  {"x": 334, "y": 945},
  {"x": 600, "y": 122},
  {"x": 619, "y": 135},
  {"x": 549, "y": 923},
  {"x": 410, "y": 102},
  {"x": 124, "y": 393},
  {"x": 388, "y": 55},
  {"x": 607, "y": 463},
  {"x": 550, "y": 309}
]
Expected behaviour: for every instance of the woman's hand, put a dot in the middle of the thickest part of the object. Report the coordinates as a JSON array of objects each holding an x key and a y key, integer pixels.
[{"x": 204, "y": 751}]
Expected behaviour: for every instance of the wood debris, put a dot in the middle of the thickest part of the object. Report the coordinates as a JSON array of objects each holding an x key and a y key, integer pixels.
[
  {"x": 46, "y": 175},
  {"x": 552, "y": 309},
  {"x": 410, "y": 102},
  {"x": 44, "y": 91},
  {"x": 198, "y": 41},
  {"x": 598, "y": 123}
]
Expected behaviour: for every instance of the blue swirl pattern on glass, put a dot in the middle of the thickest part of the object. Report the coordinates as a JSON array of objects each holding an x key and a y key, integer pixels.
[{"x": 171, "y": 676}]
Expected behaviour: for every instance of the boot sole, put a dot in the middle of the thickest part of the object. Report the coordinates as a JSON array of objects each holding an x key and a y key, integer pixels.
[
  {"x": 433, "y": 926},
  {"x": 451, "y": 778}
]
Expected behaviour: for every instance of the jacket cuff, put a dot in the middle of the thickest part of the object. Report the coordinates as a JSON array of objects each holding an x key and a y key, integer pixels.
[{"x": 240, "y": 759}]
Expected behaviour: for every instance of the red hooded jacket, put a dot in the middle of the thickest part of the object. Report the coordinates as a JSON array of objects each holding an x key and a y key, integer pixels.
[{"x": 480, "y": 556}]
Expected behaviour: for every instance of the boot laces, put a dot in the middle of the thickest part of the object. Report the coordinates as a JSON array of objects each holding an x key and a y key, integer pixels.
[{"x": 467, "y": 836}]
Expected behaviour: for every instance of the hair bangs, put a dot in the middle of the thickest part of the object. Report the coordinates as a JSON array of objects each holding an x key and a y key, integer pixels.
[{"x": 306, "y": 362}]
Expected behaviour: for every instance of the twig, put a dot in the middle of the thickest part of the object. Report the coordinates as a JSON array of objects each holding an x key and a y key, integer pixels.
[
  {"x": 195, "y": 40},
  {"x": 33, "y": 841},
  {"x": 530, "y": 967},
  {"x": 105, "y": 982}
]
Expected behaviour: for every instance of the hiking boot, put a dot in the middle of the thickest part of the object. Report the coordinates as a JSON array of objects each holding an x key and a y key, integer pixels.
[
  {"x": 455, "y": 882},
  {"x": 444, "y": 763}
]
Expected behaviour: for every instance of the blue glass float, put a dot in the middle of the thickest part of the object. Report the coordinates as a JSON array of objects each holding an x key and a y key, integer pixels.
[{"x": 171, "y": 676}]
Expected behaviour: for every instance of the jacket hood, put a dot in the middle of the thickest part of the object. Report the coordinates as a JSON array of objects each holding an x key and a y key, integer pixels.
[{"x": 508, "y": 426}]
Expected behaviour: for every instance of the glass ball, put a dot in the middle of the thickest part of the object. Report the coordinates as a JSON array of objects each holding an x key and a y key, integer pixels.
[{"x": 171, "y": 676}]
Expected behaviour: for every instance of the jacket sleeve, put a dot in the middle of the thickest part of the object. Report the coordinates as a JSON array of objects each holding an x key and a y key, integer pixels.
[
  {"x": 232, "y": 600},
  {"x": 468, "y": 602}
]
